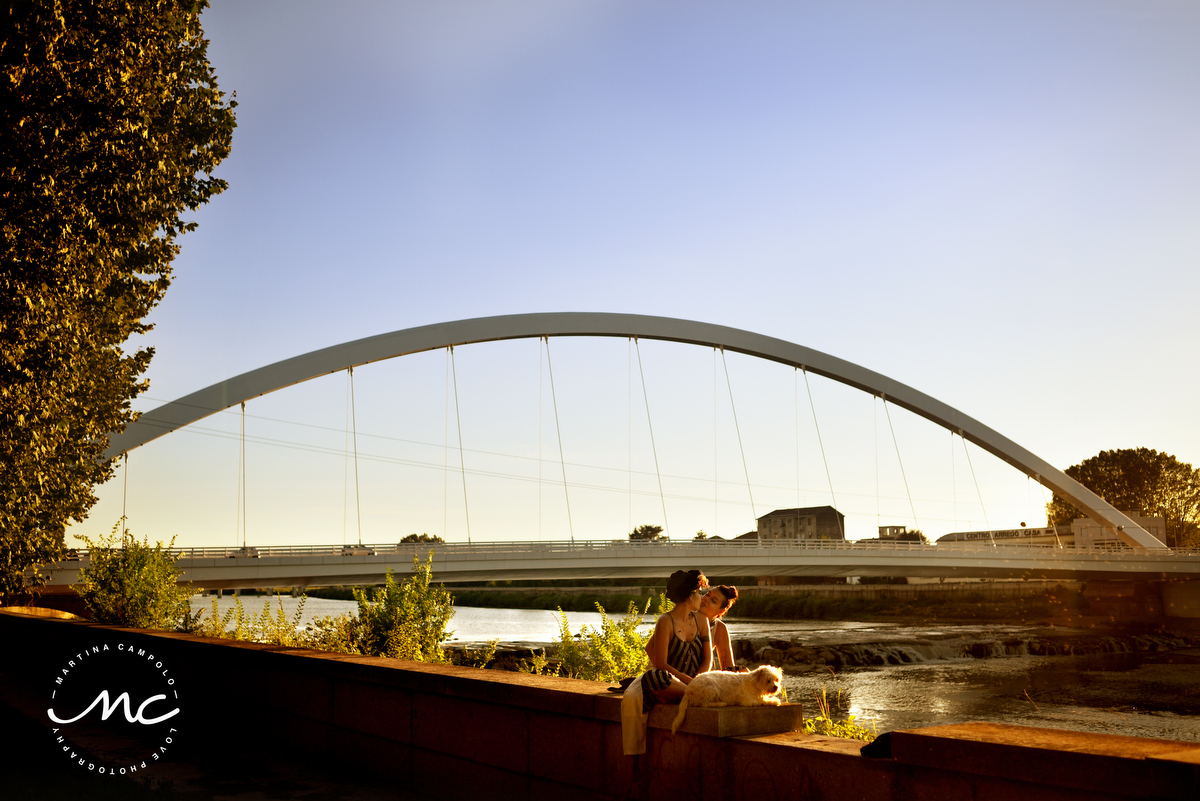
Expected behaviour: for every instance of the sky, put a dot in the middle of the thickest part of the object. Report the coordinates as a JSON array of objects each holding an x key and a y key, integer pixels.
[{"x": 996, "y": 203}]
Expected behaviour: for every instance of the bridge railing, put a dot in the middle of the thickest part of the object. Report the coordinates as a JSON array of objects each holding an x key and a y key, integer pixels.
[{"x": 565, "y": 547}]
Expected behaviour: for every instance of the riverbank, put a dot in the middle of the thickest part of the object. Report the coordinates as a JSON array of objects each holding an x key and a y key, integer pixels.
[{"x": 1062, "y": 604}]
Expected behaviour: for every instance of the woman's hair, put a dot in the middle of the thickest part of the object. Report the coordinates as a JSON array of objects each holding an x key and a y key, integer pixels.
[
  {"x": 683, "y": 583},
  {"x": 731, "y": 595}
]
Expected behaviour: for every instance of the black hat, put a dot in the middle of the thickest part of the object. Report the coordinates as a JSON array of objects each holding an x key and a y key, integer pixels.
[{"x": 683, "y": 583}]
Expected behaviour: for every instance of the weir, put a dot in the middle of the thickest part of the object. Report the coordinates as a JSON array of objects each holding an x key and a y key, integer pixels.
[{"x": 453, "y": 732}]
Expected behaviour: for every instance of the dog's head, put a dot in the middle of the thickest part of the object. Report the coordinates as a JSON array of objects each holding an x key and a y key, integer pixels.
[{"x": 768, "y": 679}]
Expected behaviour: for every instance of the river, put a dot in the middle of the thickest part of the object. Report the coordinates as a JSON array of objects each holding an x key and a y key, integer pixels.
[{"x": 1142, "y": 694}]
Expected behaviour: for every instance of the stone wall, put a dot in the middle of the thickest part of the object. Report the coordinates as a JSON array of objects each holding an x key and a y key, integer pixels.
[{"x": 458, "y": 732}]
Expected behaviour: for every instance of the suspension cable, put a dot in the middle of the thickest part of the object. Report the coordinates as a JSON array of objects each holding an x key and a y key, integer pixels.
[
  {"x": 650, "y": 423},
  {"x": 540, "y": 399},
  {"x": 911, "y": 506},
  {"x": 242, "y": 479},
  {"x": 346, "y": 467},
  {"x": 446, "y": 454},
  {"x": 953, "y": 480},
  {"x": 875, "y": 420},
  {"x": 354, "y": 425},
  {"x": 821, "y": 443},
  {"x": 796, "y": 425},
  {"x": 978, "y": 491},
  {"x": 558, "y": 430},
  {"x": 1046, "y": 504},
  {"x": 461, "y": 459},
  {"x": 738, "y": 429},
  {"x": 716, "y": 463}
]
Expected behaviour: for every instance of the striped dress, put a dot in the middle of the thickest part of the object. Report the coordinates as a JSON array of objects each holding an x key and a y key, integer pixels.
[{"x": 686, "y": 656}]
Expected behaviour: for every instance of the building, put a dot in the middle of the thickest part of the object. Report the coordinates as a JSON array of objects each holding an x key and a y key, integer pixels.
[
  {"x": 1084, "y": 533},
  {"x": 898, "y": 534},
  {"x": 1090, "y": 534},
  {"x": 808, "y": 523},
  {"x": 1011, "y": 536}
]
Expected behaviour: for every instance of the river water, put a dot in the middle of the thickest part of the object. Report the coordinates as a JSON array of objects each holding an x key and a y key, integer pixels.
[{"x": 1143, "y": 694}]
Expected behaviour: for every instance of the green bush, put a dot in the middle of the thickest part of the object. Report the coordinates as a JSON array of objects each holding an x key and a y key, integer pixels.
[
  {"x": 823, "y": 722},
  {"x": 130, "y": 583},
  {"x": 613, "y": 651},
  {"x": 266, "y": 626},
  {"x": 406, "y": 620}
]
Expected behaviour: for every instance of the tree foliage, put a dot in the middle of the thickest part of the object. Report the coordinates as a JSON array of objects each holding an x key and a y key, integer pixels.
[
  {"x": 421, "y": 538},
  {"x": 648, "y": 533},
  {"x": 1139, "y": 479},
  {"x": 113, "y": 129},
  {"x": 912, "y": 535},
  {"x": 129, "y": 583}
]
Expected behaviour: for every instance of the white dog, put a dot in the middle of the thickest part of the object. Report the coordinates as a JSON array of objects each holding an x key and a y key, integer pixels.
[{"x": 719, "y": 688}]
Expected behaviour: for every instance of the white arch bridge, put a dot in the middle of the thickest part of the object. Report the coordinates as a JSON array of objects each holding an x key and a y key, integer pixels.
[
  {"x": 234, "y": 391},
  {"x": 303, "y": 566}
]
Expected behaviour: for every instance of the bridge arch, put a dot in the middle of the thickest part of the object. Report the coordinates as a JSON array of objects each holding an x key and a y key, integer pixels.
[{"x": 231, "y": 392}]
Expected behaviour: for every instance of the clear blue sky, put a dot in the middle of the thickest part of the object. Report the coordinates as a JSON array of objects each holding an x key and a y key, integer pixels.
[{"x": 997, "y": 203}]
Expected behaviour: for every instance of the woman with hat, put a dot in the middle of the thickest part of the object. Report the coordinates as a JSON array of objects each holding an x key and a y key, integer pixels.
[{"x": 679, "y": 650}]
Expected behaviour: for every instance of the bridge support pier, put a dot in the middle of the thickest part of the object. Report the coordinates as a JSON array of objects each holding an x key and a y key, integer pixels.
[
  {"x": 1142, "y": 600},
  {"x": 1181, "y": 599}
]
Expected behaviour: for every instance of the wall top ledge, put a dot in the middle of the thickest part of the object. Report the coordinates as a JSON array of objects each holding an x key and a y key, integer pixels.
[{"x": 1100, "y": 763}]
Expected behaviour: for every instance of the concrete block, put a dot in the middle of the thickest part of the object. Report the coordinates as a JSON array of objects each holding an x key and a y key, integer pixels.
[
  {"x": 445, "y": 776},
  {"x": 731, "y": 721},
  {"x": 301, "y": 694},
  {"x": 550, "y": 693},
  {"x": 292, "y": 733},
  {"x": 1176, "y": 775},
  {"x": 1095, "y": 763},
  {"x": 618, "y": 770},
  {"x": 373, "y": 709},
  {"x": 492, "y": 734},
  {"x": 546, "y": 790},
  {"x": 563, "y": 749},
  {"x": 384, "y": 758},
  {"x": 671, "y": 766}
]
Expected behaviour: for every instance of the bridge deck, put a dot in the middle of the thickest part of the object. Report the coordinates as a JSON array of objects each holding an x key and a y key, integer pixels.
[{"x": 336, "y": 565}]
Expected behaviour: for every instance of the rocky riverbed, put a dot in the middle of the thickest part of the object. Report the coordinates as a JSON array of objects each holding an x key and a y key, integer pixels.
[{"x": 794, "y": 654}]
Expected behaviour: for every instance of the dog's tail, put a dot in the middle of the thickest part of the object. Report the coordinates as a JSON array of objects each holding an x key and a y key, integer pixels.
[{"x": 683, "y": 705}]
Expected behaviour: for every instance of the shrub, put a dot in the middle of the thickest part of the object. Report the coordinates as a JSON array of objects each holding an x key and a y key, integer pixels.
[
  {"x": 337, "y": 634},
  {"x": 269, "y": 627},
  {"x": 823, "y": 723},
  {"x": 130, "y": 583},
  {"x": 406, "y": 620},
  {"x": 611, "y": 652}
]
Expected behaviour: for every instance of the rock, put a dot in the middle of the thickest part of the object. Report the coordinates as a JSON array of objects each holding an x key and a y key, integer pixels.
[{"x": 770, "y": 655}]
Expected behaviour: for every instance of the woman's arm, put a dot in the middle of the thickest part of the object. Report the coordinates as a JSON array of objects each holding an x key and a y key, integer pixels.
[
  {"x": 656, "y": 646},
  {"x": 703, "y": 632},
  {"x": 724, "y": 647}
]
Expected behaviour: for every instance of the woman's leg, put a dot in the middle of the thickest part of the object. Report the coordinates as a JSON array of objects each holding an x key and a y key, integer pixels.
[{"x": 672, "y": 693}]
